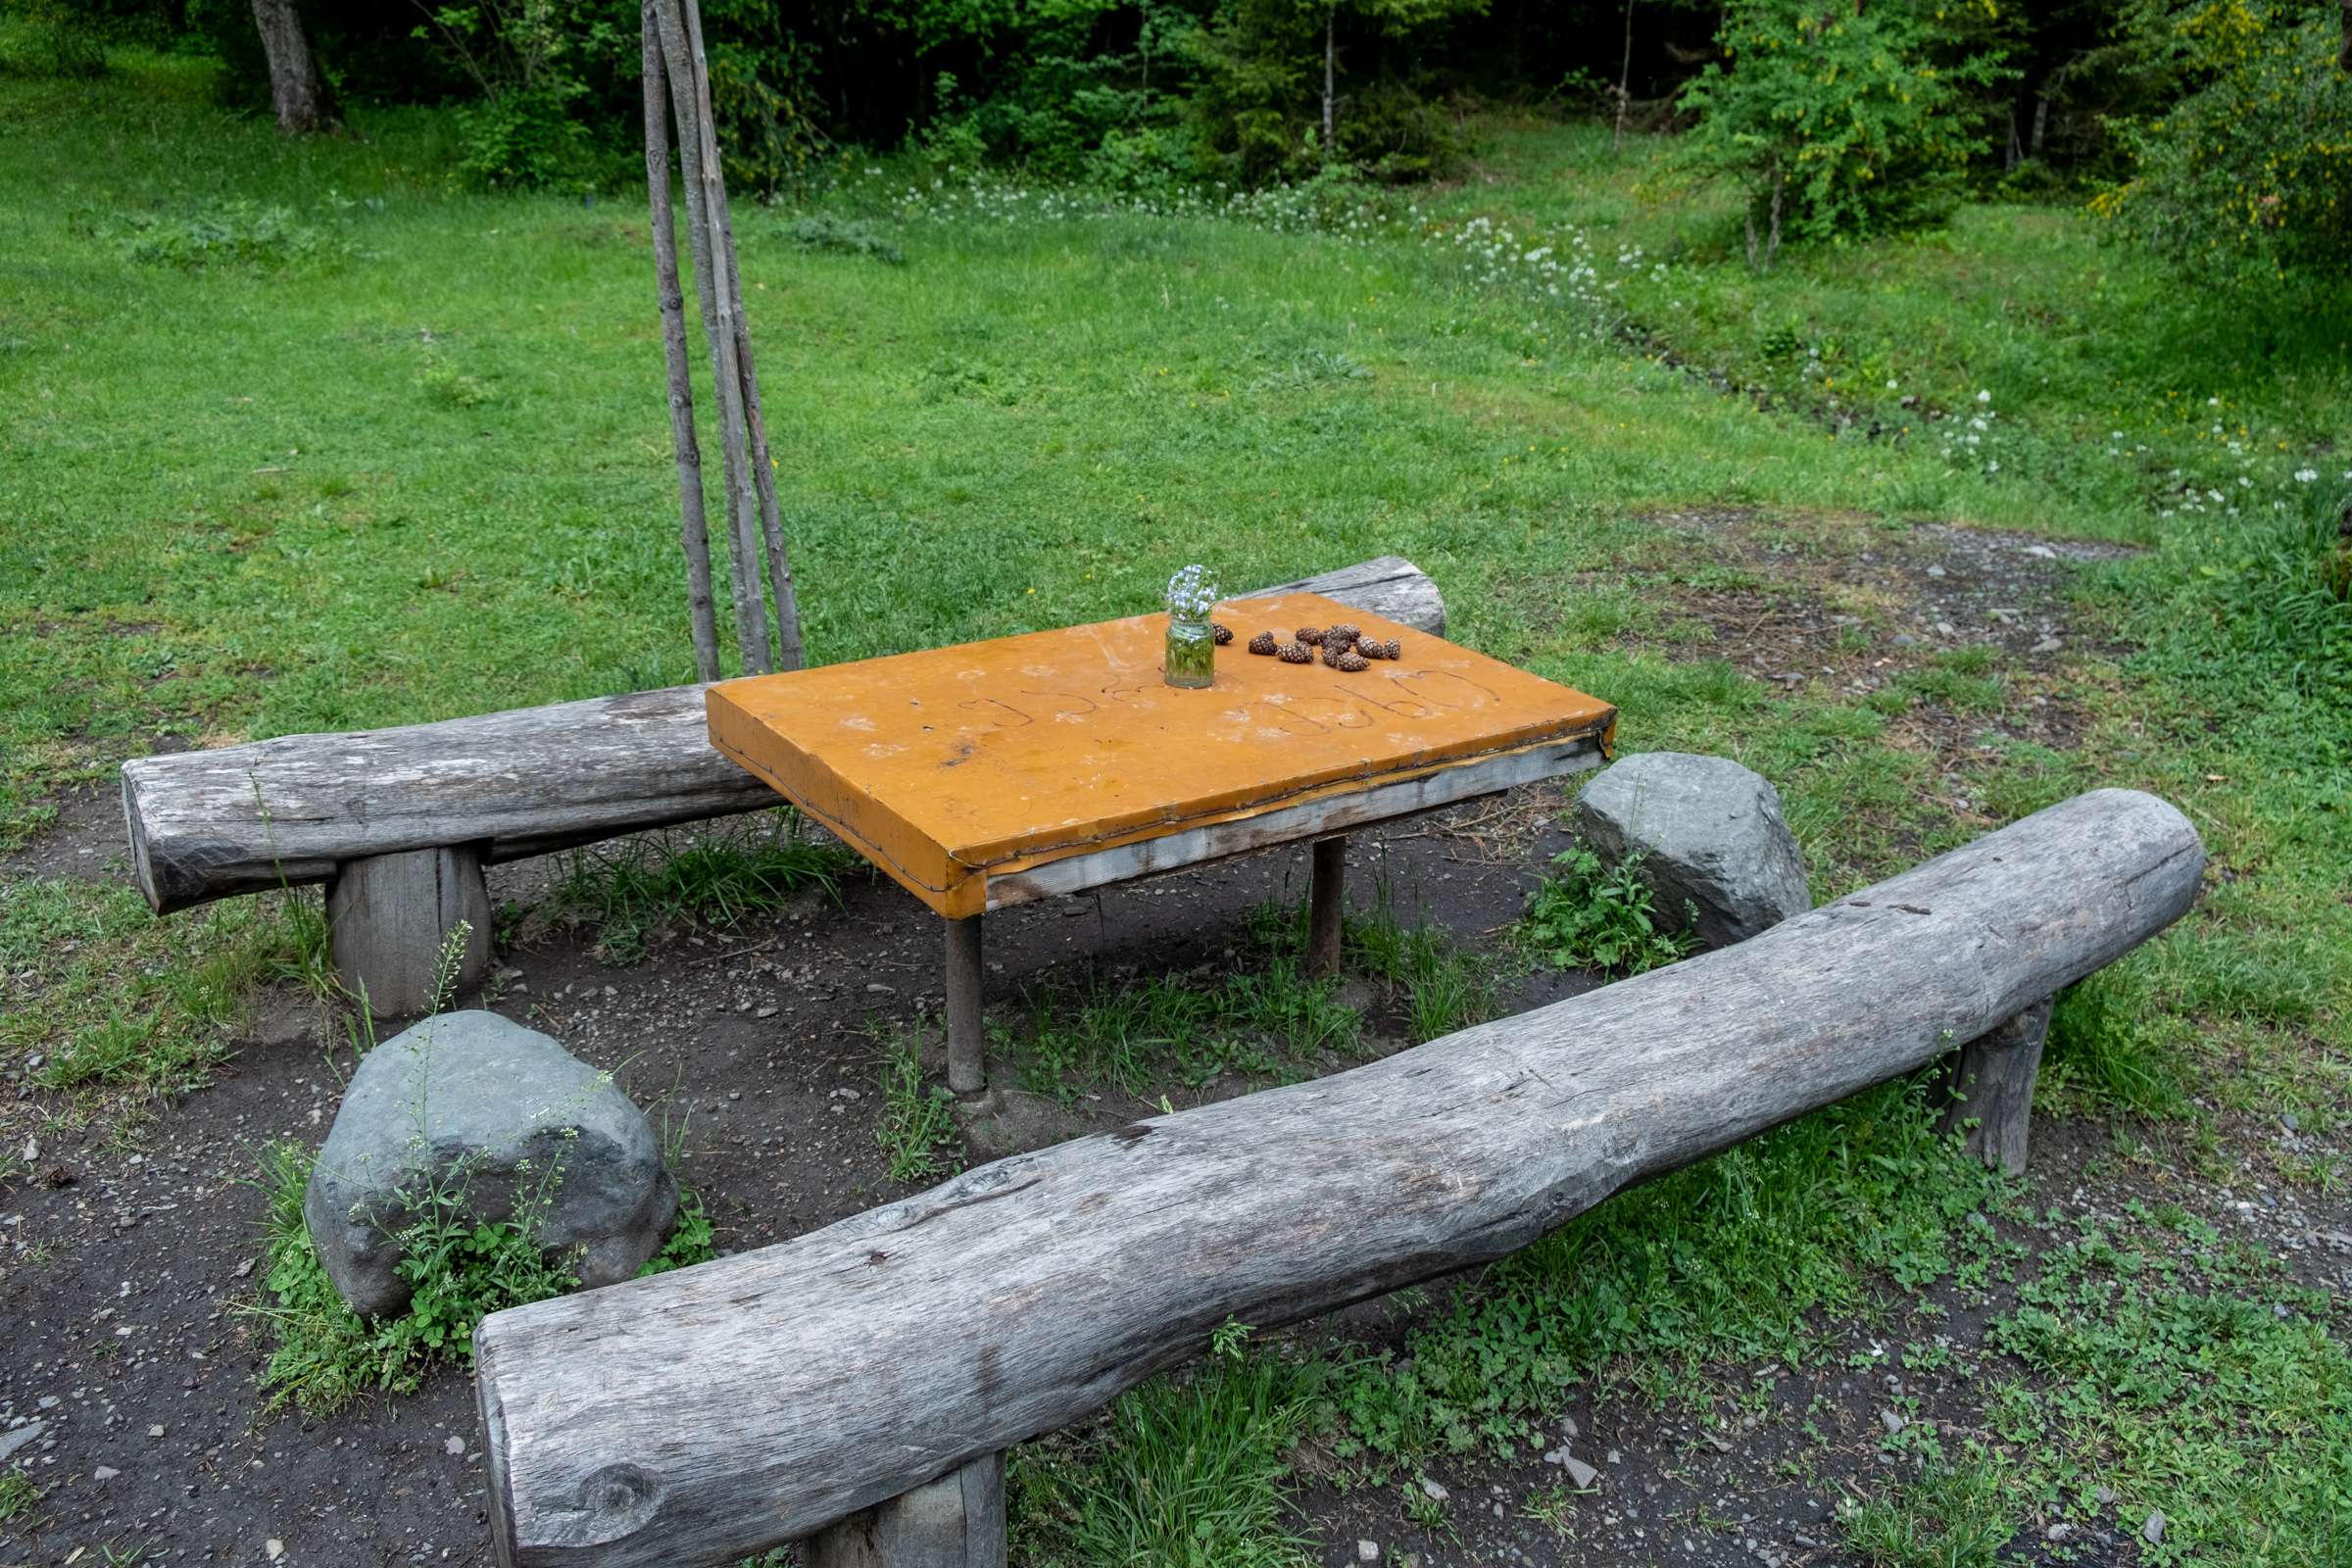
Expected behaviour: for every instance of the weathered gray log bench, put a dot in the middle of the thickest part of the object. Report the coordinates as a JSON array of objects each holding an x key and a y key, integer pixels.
[
  {"x": 399, "y": 823},
  {"x": 856, "y": 1387}
]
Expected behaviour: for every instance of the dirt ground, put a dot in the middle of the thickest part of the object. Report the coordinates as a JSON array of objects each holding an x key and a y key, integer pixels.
[{"x": 128, "y": 1387}]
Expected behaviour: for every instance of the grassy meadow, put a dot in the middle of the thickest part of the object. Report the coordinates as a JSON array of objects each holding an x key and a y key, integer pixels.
[{"x": 300, "y": 437}]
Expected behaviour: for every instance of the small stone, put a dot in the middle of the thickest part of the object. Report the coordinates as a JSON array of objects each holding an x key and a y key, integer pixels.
[
  {"x": 877, "y": 988},
  {"x": 155, "y": 1432},
  {"x": 1568, "y": 1428},
  {"x": 1903, "y": 639},
  {"x": 1579, "y": 1474},
  {"x": 1935, "y": 571},
  {"x": 1434, "y": 1492},
  {"x": 48, "y": 1401},
  {"x": 453, "y": 1447},
  {"x": 12, "y": 1441},
  {"x": 1890, "y": 1421},
  {"x": 105, "y": 1472},
  {"x": 765, "y": 1012},
  {"x": 273, "y": 1550},
  {"x": 1367, "y": 1551},
  {"x": 2153, "y": 1531},
  {"x": 2048, "y": 644},
  {"x": 2058, "y": 1532},
  {"x": 2105, "y": 1497}
]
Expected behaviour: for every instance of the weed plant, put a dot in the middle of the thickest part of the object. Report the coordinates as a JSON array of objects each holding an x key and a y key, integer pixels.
[
  {"x": 1587, "y": 915},
  {"x": 917, "y": 1130}
]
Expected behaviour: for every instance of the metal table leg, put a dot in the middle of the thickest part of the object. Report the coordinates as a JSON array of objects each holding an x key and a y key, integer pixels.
[
  {"x": 1324, "y": 898},
  {"x": 967, "y": 1073}
]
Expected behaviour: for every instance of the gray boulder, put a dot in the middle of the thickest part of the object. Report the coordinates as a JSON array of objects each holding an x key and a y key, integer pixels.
[
  {"x": 508, "y": 1106},
  {"x": 1713, "y": 838}
]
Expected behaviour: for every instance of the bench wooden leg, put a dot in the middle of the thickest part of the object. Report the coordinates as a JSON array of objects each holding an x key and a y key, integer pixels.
[
  {"x": 1326, "y": 894},
  {"x": 1992, "y": 1081},
  {"x": 967, "y": 1071},
  {"x": 954, "y": 1522},
  {"x": 387, "y": 916}
]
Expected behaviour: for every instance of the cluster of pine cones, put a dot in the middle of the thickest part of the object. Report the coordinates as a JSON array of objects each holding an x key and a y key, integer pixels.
[{"x": 1343, "y": 647}]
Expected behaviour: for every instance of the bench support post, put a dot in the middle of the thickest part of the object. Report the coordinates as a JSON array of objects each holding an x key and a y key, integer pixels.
[
  {"x": 957, "y": 1521},
  {"x": 967, "y": 1071},
  {"x": 1992, "y": 1083},
  {"x": 387, "y": 916},
  {"x": 1326, "y": 895}
]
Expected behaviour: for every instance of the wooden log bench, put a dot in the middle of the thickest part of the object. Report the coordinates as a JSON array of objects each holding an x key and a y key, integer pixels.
[
  {"x": 399, "y": 823},
  {"x": 856, "y": 1387}
]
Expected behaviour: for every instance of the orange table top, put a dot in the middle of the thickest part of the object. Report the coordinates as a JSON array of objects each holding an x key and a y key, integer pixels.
[{"x": 952, "y": 764}]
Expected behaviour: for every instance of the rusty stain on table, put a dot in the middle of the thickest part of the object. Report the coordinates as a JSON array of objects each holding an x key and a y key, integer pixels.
[{"x": 952, "y": 764}]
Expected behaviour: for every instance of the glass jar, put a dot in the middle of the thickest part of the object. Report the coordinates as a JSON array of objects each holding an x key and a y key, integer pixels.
[
  {"x": 1191, "y": 654},
  {"x": 1192, "y": 650}
]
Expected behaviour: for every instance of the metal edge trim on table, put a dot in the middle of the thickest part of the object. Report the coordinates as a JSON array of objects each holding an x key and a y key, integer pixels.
[{"x": 1329, "y": 813}]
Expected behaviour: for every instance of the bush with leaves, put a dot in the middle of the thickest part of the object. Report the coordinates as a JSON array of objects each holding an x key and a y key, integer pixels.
[
  {"x": 2249, "y": 172},
  {"x": 1833, "y": 122}
]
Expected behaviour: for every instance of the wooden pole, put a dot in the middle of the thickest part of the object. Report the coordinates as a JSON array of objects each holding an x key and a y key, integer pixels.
[
  {"x": 712, "y": 1413},
  {"x": 694, "y": 532},
  {"x": 706, "y": 189},
  {"x": 968, "y": 1070},
  {"x": 954, "y": 1522},
  {"x": 789, "y": 652},
  {"x": 1326, "y": 900},
  {"x": 1992, "y": 1081}
]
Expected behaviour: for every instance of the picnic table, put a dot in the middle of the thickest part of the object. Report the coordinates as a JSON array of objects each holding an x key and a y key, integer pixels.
[{"x": 989, "y": 774}]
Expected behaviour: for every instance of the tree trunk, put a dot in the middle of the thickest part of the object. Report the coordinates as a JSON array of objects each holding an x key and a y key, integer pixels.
[
  {"x": 1329, "y": 72},
  {"x": 712, "y": 1413},
  {"x": 1624, "y": 81},
  {"x": 297, "y": 91}
]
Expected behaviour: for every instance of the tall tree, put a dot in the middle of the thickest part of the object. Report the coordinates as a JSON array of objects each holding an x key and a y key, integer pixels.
[{"x": 297, "y": 91}]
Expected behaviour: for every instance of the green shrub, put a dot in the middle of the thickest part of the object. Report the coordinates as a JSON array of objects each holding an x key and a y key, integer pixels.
[
  {"x": 1591, "y": 916},
  {"x": 1835, "y": 124},
  {"x": 2251, "y": 171},
  {"x": 44, "y": 39}
]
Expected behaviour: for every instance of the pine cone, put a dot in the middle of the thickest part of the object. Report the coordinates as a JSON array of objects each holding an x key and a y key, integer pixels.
[
  {"x": 1392, "y": 649},
  {"x": 1295, "y": 653},
  {"x": 1262, "y": 642},
  {"x": 1220, "y": 633},
  {"x": 1309, "y": 636},
  {"x": 1372, "y": 648},
  {"x": 1343, "y": 634},
  {"x": 1350, "y": 661},
  {"x": 1331, "y": 651}
]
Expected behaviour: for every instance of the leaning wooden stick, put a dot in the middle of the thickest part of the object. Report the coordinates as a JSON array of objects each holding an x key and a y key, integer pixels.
[
  {"x": 698, "y": 165},
  {"x": 712, "y": 1413},
  {"x": 694, "y": 532},
  {"x": 789, "y": 655}
]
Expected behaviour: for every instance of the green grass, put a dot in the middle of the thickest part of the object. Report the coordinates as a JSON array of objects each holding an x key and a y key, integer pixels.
[
  {"x": 18, "y": 1496},
  {"x": 917, "y": 1131},
  {"x": 116, "y": 1002},
  {"x": 303, "y": 439},
  {"x": 631, "y": 888},
  {"x": 1191, "y": 1471}
]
